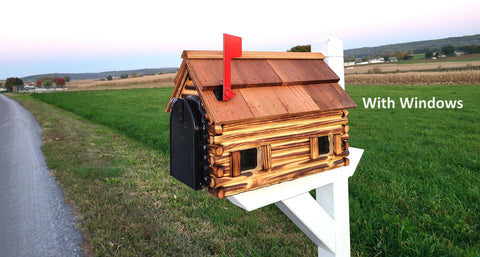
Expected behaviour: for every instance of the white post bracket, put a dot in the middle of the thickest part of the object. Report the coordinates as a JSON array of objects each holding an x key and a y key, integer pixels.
[{"x": 326, "y": 220}]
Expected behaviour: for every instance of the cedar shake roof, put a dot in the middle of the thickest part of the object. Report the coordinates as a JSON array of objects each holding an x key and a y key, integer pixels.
[{"x": 266, "y": 84}]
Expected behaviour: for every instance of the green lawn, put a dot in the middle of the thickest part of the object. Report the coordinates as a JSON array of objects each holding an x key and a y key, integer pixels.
[
  {"x": 139, "y": 114},
  {"x": 415, "y": 192}
]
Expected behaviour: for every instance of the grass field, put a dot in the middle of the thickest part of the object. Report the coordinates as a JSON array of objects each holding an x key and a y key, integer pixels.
[
  {"x": 415, "y": 192},
  {"x": 139, "y": 114}
]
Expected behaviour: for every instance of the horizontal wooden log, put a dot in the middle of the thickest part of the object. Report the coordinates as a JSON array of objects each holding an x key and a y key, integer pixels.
[
  {"x": 285, "y": 153},
  {"x": 344, "y": 154},
  {"x": 201, "y": 54},
  {"x": 286, "y": 146},
  {"x": 280, "y": 163},
  {"x": 267, "y": 181},
  {"x": 268, "y": 132},
  {"x": 341, "y": 162},
  {"x": 345, "y": 113},
  {"x": 252, "y": 142},
  {"x": 217, "y": 192},
  {"x": 217, "y": 171},
  {"x": 276, "y": 171},
  {"x": 219, "y": 160},
  {"x": 285, "y": 159},
  {"x": 280, "y": 123},
  {"x": 216, "y": 150},
  {"x": 345, "y": 137},
  {"x": 211, "y": 140},
  {"x": 346, "y": 128},
  {"x": 186, "y": 92},
  {"x": 214, "y": 129}
]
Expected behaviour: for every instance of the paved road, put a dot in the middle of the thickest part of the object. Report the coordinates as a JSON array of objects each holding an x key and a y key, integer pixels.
[{"x": 34, "y": 220}]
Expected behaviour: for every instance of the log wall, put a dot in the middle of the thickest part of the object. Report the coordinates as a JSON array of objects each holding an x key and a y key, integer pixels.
[{"x": 285, "y": 145}]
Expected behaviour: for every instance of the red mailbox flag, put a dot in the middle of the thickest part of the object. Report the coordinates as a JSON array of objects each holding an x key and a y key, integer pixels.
[{"x": 232, "y": 48}]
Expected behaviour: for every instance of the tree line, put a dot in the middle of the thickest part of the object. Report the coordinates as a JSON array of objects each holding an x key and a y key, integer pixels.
[
  {"x": 448, "y": 50},
  {"x": 48, "y": 81},
  {"x": 45, "y": 81}
]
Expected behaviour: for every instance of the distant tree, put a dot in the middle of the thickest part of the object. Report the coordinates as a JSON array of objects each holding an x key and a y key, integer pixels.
[
  {"x": 46, "y": 81},
  {"x": 448, "y": 50},
  {"x": 470, "y": 49},
  {"x": 428, "y": 54},
  {"x": 400, "y": 55},
  {"x": 386, "y": 58},
  {"x": 109, "y": 77},
  {"x": 67, "y": 78},
  {"x": 9, "y": 83},
  {"x": 301, "y": 48},
  {"x": 124, "y": 76},
  {"x": 12, "y": 82},
  {"x": 409, "y": 55},
  {"x": 59, "y": 82},
  {"x": 389, "y": 53},
  {"x": 38, "y": 83}
]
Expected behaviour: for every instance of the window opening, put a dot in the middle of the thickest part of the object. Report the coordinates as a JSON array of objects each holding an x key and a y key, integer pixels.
[
  {"x": 248, "y": 159},
  {"x": 323, "y": 145}
]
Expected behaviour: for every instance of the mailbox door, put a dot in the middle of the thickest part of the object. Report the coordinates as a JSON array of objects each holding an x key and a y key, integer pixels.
[
  {"x": 182, "y": 144},
  {"x": 187, "y": 142}
]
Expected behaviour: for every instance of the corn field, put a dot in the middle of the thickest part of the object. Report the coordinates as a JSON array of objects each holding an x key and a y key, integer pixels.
[
  {"x": 467, "y": 77},
  {"x": 163, "y": 80}
]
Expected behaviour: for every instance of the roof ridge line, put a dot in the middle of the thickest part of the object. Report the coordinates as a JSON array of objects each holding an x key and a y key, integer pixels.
[{"x": 206, "y": 54}]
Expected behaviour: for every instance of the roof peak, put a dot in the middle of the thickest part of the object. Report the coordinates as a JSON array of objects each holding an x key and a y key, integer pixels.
[{"x": 202, "y": 54}]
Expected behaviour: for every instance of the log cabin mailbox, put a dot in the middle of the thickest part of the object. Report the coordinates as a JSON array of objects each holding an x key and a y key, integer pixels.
[{"x": 287, "y": 118}]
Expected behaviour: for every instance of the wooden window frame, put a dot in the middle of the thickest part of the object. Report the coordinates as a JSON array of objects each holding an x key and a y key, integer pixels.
[
  {"x": 314, "y": 151},
  {"x": 264, "y": 159}
]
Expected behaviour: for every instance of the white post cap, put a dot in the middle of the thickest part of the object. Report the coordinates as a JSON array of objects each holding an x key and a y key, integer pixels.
[
  {"x": 328, "y": 45},
  {"x": 332, "y": 48}
]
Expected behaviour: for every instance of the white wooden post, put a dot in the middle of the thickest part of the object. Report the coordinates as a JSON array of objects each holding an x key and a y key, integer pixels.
[
  {"x": 334, "y": 197},
  {"x": 332, "y": 48},
  {"x": 325, "y": 220}
]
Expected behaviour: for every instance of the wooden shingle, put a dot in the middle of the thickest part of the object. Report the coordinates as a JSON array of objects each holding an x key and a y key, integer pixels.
[{"x": 267, "y": 84}]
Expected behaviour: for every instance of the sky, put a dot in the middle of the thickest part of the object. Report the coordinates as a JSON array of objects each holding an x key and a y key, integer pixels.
[{"x": 58, "y": 36}]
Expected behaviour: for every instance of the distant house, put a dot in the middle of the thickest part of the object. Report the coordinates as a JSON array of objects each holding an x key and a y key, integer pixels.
[
  {"x": 377, "y": 60},
  {"x": 361, "y": 63},
  {"x": 392, "y": 59}
]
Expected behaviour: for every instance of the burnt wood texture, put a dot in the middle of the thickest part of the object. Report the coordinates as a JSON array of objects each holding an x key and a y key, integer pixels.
[{"x": 288, "y": 106}]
